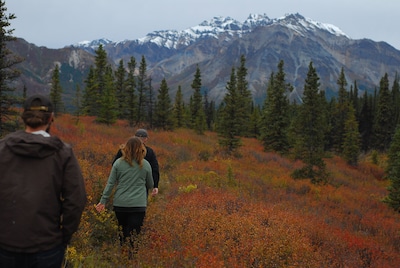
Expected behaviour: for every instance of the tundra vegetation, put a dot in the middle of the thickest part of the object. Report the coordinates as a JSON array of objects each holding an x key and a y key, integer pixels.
[{"x": 214, "y": 210}]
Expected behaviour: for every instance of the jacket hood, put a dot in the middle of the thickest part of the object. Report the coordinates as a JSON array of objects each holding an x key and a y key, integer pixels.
[{"x": 33, "y": 145}]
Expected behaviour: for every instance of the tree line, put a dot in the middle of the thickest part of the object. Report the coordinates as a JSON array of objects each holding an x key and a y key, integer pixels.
[{"x": 345, "y": 125}]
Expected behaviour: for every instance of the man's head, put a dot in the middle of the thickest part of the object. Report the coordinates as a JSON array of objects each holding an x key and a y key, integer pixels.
[
  {"x": 38, "y": 111},
  {"x": 142, "y": 134}
]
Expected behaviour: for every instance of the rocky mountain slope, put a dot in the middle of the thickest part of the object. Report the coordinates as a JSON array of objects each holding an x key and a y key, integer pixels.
[{"x": 216, "y": 46}]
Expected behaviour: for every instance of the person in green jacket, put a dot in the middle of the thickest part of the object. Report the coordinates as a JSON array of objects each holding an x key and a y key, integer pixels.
[{"x": 131, "y": 176}]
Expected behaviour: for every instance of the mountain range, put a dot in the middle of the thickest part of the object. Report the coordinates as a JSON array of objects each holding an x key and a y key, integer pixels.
[{"x": 215, "y": 46}]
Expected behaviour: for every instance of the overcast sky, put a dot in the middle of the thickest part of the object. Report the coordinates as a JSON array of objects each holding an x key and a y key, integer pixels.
[{"x": 58, "y": 23}]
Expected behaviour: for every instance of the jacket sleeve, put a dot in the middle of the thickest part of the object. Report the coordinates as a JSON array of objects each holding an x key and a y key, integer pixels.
[
  {"x": 118, "y": 155},
  {"x": 152, "y": 159},
  {"x": 73, "y": 196},
  {"x": 110, "y": 184},
  {"x": 149, "y": 176}
]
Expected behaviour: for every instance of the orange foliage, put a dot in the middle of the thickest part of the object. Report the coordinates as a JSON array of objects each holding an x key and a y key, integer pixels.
[{"x": 215, "y": 211}]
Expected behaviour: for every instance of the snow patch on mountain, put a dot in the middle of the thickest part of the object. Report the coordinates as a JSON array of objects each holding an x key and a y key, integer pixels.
[
  {"x": 93, "y": 44},
  {"x": 173, "y": 39},
  {"x": 302, "y": 25}
]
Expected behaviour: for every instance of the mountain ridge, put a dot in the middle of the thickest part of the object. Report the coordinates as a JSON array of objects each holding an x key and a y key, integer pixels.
[
  {"x": 215, "y": 26},
  {"x": 216, "y": 46}
]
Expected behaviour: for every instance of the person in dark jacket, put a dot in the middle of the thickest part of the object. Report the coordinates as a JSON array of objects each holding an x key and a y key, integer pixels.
[
  {"x": 42, "y": 191},
  {"x": 150, "y": 157}
]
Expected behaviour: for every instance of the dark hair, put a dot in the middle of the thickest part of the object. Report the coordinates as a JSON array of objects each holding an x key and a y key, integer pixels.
[
  {"x": 37, "y": 111},
  {"x": 35, "y": 119},
  {"x": 133, "y": 149}
]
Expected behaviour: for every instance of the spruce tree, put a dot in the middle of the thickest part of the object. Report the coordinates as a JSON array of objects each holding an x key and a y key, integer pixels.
[
  {"x": 150, "y": 103},
  {"x": 245, "y": 98},
  {"x": 355, "y": 100},
  {"x": 101, "y": 66},
  {"x": 340, "y": 112},
  {"x": 108, "y": 102},
  {"x": 163, "y": 111},
  {"x": 131, "y": 99},
  {"x": 56, "y": 91},
  {"x": 198, "y": 120},
  {"x": 120, "y": 91},
  {"x": 275, "y": 117},
  {"x": 8, "y": 73},
  {"x": 255, "y": 122},
  {"x": 228, "y": 125},
  {"x": 366, "y": 121},
  {"x": 351, "y": 138},
  {"x": 383, "y": 126},
  {"x": 179, "y": 109},
  {"x": 209, "y": 109},
  {"x": 96, "y": 83},
  {"x": 310, "y": 131},
  {"x": 396, "y": 99},
  {"x": 393, "y": 172},
  {"x": 90, "y": 102},
  {"x": 77, "y": 101},
  {"x": 142, "y": 92}
]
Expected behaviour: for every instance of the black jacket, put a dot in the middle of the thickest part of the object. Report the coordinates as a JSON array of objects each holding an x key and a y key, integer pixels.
[
  {"x": 152, "y": 159},
  {"x": 42, "y": 192}
]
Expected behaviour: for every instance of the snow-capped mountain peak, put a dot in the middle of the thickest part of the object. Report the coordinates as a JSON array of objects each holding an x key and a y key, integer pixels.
[
  {"x": 173, "y": 39},
  {"x": 94, "y": 43},
  {"x": 301, "y": 25},
  {"x": 230, "y": 26}
]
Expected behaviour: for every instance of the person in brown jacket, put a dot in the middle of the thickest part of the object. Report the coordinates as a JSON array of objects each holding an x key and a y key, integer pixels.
[{"x": 42, "y": 191}]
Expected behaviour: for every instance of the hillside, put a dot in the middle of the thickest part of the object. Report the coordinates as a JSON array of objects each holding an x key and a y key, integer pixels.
[{"x": 214, "y": 211}]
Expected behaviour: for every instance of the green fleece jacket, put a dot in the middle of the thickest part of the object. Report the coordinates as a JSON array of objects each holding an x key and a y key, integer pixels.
[{"x": 131, "y": 184}]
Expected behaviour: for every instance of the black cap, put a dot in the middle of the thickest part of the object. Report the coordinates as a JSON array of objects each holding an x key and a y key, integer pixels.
[
  {"x": 38, "y": 102},
  {"x": 141, "y": 133}
]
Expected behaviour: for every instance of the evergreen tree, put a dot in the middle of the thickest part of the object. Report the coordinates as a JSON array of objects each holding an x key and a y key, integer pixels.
[
  {"x": 8, "y": 73},
  {"x": 163, "y": 115},
  {"x": 383, "y": 126},
  {"x": 56, "y": 91},
  {"x": 355, "y": 100},
  {"x": 228, "y": 125},
  {"x": 198, "y": 120},
  {"x": 78, "y": 103},
  {"x": 179, "y": 109},
  {"x": 310, "y": 129},
  {"x": 245, "y": 98},
  {"x": 393, "y": 172},
  {"x": 396, "y": 99},
  {"x": 351, "y": 138},
  {"x": 101, "y": 66},
  {"x": 150, "y": 103},
  {"x": 366, "y": 122},
  {"x": 275, "y": 117},
  {"x": 120, "y": 91},
  {"x": 90, "y": 94},
  {"x": 255, "y": 120},
  {"x": 340, "y": 113},
  {"x": 142, "y": 91},
  {"x": 131, "y": 100},
  {"x": 108, "y": 103},
  {"x": 96, "y": 83},
  {"x": 209, "y": 109}
]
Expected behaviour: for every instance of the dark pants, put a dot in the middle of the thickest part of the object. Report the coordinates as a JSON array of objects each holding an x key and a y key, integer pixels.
[
  {"x": 45, "y": 259},
  {"x": 131, "y": 224}
]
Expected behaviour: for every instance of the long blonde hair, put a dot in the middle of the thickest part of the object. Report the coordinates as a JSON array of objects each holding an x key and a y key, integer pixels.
[{"x": 133, "y": 149}]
